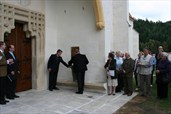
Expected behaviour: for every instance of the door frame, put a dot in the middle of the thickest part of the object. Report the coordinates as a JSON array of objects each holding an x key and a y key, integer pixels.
[{"x": 34, "y": 27}]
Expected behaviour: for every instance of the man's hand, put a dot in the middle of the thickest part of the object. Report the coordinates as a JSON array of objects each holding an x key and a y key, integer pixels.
[
  {"x": 12, "y": 72},
  {"x": 49, "y": 69},
  {"x": 11, "y": 61},
  {"x": 157, "y": 71}
]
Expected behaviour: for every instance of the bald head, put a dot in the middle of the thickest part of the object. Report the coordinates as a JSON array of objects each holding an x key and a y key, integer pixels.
[{"x": 127, "y": 55}]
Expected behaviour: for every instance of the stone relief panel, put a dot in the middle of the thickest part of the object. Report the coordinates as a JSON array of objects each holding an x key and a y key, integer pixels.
[
  {"x": 8, "y": 15},
  {"x": 34, "y": 28},
  {"x": 6, "y": 19}
]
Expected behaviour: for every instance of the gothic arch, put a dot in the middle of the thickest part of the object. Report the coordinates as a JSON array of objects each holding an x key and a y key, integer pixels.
[{"x": 34, "y": 28}]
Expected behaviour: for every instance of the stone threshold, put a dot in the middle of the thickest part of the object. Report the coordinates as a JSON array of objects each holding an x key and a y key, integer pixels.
[{"x": 93, "y": 86}]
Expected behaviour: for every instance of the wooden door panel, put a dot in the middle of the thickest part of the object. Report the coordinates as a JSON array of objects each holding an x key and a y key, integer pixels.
[{"x": 23, "y": 52}]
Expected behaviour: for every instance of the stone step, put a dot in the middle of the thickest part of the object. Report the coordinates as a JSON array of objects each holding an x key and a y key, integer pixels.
[{"x": 94, "y": 86}]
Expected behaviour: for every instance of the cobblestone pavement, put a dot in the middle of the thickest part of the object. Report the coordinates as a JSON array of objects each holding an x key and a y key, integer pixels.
[{"x": 65, "y": 101}]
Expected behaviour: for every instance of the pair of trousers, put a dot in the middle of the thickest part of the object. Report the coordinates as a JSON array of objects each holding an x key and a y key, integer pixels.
[
  {"x": 128, "y": 84},
  {"x": 162, "y": 90},
  {"x": 52, "y": 79},
  {"x": 11, "y": 85},
  {"x": 80, "y": 80},
  {"x": 2, "y": 88},
  {"x": 120, "y": 81},
  {"x": 145, "y": 88}
]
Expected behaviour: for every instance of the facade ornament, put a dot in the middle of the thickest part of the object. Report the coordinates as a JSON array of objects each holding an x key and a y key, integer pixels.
[
  {"x": 34, "y": 27},
  {"x": 99, "y": 14}
]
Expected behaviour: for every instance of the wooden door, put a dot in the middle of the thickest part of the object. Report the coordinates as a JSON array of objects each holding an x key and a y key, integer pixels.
[{"x": 23, "y": 53}]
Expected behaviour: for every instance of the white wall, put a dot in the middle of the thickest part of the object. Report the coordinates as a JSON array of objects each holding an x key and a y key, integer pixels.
[
  {"x": 72, "y": 23},
  {"x": 133, "y": 40},
  {"x": 135, "y": 43},
  {"x": 120, "y": 30},
  {"x": 108, "y": 18}
]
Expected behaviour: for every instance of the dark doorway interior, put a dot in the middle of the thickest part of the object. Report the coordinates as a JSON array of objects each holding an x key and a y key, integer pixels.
[{"x": 23, "y": 52}]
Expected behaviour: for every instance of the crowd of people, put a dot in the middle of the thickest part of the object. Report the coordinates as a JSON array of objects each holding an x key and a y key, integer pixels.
[
  {"x": 142, "y": 69},
  {"x": 8, "y": 73},
  {"x": 120, "y": 70}
]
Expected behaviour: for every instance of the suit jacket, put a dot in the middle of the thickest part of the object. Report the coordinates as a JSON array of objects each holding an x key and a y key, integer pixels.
[
  {"x": 12, "y": 67},
  {"x": 80, "y": 62},
  {"x": 128, "y": 66},
  {"x": 3, "y": 65},
  {"x": 54, "y": 62}
]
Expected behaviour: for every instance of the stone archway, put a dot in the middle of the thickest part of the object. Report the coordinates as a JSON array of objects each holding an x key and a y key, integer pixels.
[{"x": 34, "y": 28}]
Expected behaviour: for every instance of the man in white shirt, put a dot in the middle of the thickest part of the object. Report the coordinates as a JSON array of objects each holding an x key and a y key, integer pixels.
[{"x": 145, "y": 73}]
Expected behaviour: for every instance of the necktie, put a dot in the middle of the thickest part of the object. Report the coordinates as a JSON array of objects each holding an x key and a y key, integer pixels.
[{"x": 13, "y": 55}]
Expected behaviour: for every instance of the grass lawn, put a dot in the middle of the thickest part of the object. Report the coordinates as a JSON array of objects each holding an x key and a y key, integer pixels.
[
  {"x": 144, "y": 105},
  {"x": 157, "y": 106}
]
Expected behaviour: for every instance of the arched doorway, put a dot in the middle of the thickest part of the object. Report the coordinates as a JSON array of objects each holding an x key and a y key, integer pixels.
[
  {"x": 23, "y": 52},
  {"x": 33, "y": 23}
]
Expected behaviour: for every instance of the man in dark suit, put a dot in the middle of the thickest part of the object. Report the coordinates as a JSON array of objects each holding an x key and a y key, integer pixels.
[
  {"x": 3, "y": 72},
  {"x": 79, "y": 62},
  {"x": 53, "y": 67},
  {"x": 12, "y": 71}
]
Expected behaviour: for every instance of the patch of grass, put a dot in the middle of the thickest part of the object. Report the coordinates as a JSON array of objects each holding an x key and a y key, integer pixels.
[{"x": 157, "y": 106}]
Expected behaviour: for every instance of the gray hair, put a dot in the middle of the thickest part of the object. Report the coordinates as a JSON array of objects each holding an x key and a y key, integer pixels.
[{"x": 165, "y": 54}]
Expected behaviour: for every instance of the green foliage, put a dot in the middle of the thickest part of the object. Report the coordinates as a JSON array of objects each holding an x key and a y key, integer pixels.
[{"x": 153, "y": 34}]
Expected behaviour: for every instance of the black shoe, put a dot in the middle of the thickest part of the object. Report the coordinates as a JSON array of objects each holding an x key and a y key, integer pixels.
[
  {"x": 16, "y": 96},
  {"x": 124, "y": 93},
  {"x": 79, "y": 92},
  {"x": 50, "y": 89},
  {"x": 56, "y": 88},
  {"x": 2, "y": 102},
  {"x": 11, "y": 98},
  {"x": 129, "y": 94},
  {"x": 142, "y": 95},
  {"x": 6, "y": 101}
]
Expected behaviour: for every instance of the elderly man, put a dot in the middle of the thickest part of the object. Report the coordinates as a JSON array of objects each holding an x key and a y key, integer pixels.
[
  {"x": 128, "y": 68},
  {"x": 79, "y": 62},
  {"x": 145, "y": 65},
  {"x": 3, "y": 72}
]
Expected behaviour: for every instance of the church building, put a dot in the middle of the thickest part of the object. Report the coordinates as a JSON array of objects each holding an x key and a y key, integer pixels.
[{"x": 38, "y": 28}]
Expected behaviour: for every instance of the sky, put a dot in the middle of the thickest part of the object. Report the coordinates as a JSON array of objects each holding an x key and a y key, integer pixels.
[{"x": 153, "y": 10}]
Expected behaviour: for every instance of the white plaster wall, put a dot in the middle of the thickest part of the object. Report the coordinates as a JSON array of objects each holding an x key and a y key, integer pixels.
[
  {"x": 133, "y": 40},
  {"x": 35, "y": 5},
  {"x": 135, "y": 43},
  {"x": 120, "y": 30},
  {"x": 72, "y": 23},
  {"x": 108, "y": 18}
]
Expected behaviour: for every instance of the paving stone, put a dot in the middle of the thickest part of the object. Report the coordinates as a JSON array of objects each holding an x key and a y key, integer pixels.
[{"x": 64, "y": 101}]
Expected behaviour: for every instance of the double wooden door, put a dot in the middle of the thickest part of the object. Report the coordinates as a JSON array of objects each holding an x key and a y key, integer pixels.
[{"x": 23, "y": 53}]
